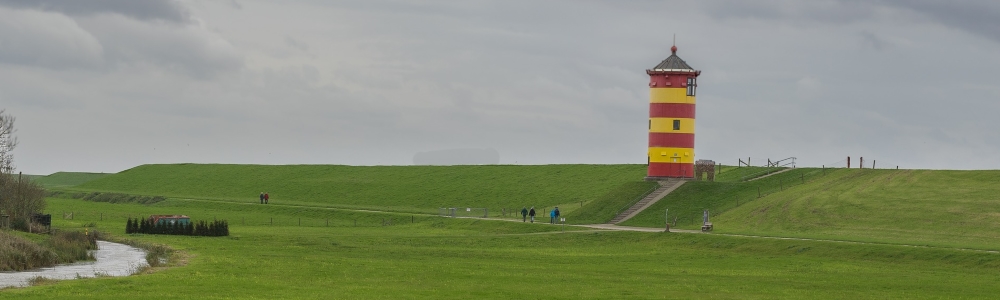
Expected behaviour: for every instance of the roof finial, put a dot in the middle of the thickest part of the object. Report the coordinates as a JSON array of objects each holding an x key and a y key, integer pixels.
[{"x": 673, "y": 49}]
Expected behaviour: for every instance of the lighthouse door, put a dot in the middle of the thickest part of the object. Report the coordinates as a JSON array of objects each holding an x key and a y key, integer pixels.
[{"x": 675, "y": 168}]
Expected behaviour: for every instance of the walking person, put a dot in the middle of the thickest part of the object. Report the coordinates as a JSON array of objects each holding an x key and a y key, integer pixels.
[
  {"x": 552, "y": 216},
  {"x": 261, "y": 197},
  {"x": 531, "y": 213},
  {"x": 524, "y": 214},
  {"x": 555, "y": 212},
  {"x": 267, "y": 197}
]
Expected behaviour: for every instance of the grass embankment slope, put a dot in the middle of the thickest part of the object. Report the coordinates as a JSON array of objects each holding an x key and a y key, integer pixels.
[
  {"x": 444, "y": 258},
  {"x": 923, "y": 207},
  {"x": 67, "y": 179},
  {"x": 396, "y": 188}
]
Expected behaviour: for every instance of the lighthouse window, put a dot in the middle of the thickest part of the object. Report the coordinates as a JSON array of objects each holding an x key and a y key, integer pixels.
[
  {"x": 677, "y": 124},
  {"x": 692, "y": 84}
]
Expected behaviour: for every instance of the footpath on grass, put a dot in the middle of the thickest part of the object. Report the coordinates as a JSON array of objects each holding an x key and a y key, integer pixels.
[{"x": 601, "y": 227}]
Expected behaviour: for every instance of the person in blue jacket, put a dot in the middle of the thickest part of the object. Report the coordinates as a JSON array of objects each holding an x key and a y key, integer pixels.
[{"x": 552, "y": 216}]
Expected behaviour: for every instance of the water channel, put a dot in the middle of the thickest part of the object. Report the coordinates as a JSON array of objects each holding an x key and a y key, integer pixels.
[{"x": 112, "y": 259}]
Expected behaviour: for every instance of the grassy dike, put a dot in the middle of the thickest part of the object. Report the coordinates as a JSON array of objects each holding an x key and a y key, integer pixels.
[
  {"x": 435, "y": 257},
  {"x": 396, "y": 188},
  {"x": 919, "y": 207}
]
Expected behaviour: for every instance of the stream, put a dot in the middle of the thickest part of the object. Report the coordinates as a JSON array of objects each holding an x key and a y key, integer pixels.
[{"x": 112, "y": 259}]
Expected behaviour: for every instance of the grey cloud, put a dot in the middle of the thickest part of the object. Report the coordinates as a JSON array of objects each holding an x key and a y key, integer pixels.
[
  {"x": 873, "y": 41},
  {"x": 185, "y": 48},
  {"x": 46, "y": 39},
  {"x": 844, "y": 11},
  {"x": 109, "y": 42},
  {"x": 975, "y": 16},
  {"x": 166, "y": 10}
]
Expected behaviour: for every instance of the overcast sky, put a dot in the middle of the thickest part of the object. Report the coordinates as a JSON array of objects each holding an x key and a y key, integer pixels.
[{"x": 107, "y": 85}]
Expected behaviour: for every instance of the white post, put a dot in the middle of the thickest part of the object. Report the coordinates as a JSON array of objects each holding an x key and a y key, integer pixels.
[{"x": 666, "y": 219}]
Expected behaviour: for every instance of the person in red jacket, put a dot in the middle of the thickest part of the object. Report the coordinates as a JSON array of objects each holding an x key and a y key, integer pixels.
[{"x": 266, "y": 197}]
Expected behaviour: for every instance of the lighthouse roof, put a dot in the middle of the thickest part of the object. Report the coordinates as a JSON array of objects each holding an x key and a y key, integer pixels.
[{"x": 673, "y": 63}]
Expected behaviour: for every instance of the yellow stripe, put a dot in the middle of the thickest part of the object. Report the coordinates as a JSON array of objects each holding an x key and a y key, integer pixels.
[
  {"x": 666, "y": 125},
  {"x": 670, "y": 95},
  {"x": 679, "y": 155}
]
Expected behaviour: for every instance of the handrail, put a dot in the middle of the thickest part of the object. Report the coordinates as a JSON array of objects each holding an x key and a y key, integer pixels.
[
  {"x": 772, "y": 167},
  {"x": 637, "y": 199}
]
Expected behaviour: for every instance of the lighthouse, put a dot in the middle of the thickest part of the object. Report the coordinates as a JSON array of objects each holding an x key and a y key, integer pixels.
[{"x": 672, "y": 87}]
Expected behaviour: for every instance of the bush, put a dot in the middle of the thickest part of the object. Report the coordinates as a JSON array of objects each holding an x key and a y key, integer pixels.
[
  {"x": 20, "y": 199},
  {"x": 108, "y": 197},
  {"x": 18, "y": 253}
]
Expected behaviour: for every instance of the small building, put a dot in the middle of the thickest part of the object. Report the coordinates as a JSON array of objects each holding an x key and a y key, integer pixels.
[{"x": 162, "y": 220}]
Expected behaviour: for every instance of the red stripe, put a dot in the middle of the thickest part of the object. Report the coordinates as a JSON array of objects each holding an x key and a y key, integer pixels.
[
  {"x": 677, "y": 140},
  {"x": 674, "y": 80},
  {"x": 682, "y": 170},
  {"x": 671, "y": 110}
]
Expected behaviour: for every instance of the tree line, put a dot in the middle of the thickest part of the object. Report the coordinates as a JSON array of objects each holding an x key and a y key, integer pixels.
[{"x": 200, "y": 228}]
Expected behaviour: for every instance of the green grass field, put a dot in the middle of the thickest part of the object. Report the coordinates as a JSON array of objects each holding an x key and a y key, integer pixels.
[
  {"x": 435, "y": 257},
  {"x": 318, "y": 247}
]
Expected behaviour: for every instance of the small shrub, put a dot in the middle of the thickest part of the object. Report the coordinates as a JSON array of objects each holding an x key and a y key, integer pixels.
[
  {"x": 108, "y": 197},
  {"x": 39, "y": 280}
]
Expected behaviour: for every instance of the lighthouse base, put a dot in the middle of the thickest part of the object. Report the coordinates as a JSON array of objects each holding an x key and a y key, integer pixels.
[{"x": 658, "y": 171}]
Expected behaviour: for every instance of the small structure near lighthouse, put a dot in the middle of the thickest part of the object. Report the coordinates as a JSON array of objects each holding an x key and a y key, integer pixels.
[{"x": 672, "y": 86}]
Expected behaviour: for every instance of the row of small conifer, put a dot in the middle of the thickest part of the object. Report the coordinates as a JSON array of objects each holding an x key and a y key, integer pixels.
[{"x": 200, "y": 228}]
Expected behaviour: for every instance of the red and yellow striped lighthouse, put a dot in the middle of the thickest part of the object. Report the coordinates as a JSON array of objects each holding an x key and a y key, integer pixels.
[{"x": 672, "y": 86}]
